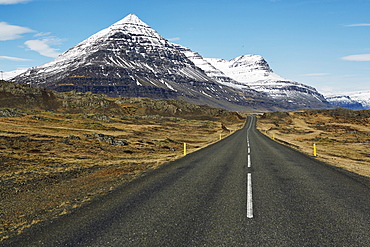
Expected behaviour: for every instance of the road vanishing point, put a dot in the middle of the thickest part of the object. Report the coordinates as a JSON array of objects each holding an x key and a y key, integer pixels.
[{"x": 245, "y": 190}]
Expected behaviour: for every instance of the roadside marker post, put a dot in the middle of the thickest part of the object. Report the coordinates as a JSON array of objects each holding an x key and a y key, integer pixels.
[
  {"x": 184, "y": 148},
  {"x": 314, "y": 150}
]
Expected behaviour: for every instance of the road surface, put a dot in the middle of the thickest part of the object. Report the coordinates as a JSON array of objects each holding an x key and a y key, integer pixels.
[{"x": 245, "y": 190}]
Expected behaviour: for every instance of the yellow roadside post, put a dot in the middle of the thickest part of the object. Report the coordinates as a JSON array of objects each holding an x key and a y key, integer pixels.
[
  {"x": 184, "y": 148},
  {"x": 314, "y": 150}
]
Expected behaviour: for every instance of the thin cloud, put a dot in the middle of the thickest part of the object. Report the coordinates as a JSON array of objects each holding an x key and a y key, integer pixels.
[
  {"x": 359, "y": 25},
  {"x": 14, "y": 58},
  {"x": 42, "y": 46},
  {"x": 360, "y": 58},
  {"x": 316, "y": 74},
  {"x": 174, "y": 39},
  {"x": 41, "y": 34},
  {"x": 11, "y": 32},
  {"x": 13, "y": 1}
]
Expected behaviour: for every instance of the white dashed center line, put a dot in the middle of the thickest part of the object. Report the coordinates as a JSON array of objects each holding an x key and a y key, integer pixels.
[
  {"x": 249, "y": 177},
  {"x": 249, "y": 196}
]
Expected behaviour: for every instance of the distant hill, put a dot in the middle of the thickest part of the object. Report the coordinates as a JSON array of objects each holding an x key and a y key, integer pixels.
[
  {"x": 351, "y": 100},
  {"x": 22, "y": 96}
]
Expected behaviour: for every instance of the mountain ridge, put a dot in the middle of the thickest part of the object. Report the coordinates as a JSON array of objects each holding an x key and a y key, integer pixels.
[
  {"x": 359, "y": 100},
  {"x": 252, "y": 72},
  {"x": 129, "y": 58}
]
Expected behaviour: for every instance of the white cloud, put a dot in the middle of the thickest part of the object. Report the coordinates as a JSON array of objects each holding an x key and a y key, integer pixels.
[
  {"x": 361, "y": 57},
  {"x": 13, "y": 58},
  {"x": 42, "y": 46},
  {"x": 13, "y": 1},
  {"x": 41, "y": 34},
  {"x": 10, "y": 32},
  {"x": 174, "y": 39},
  {"x": 316, "y": 74},
  {"x": 359, "y": 25}
]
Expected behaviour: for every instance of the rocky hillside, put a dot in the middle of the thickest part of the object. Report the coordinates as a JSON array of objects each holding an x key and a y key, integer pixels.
[
  {"x": 130, "y": 59},
  {"x": 22, "y": 96}
]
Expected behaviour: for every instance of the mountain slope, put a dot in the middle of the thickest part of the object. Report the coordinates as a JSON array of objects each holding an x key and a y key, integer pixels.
[
  {"x": 11, "y": 74},
  {"x": 351, "y": 100},
  {"x": 252, "y": 72},
  {"x": 362, "y": 97},
  {"x": 344, "y": 101},
  {"x": 129, "y": 58}
]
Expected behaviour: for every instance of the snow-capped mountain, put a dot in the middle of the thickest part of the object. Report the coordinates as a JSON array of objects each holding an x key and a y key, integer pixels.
[
  {"x": 253, "y": 72},
  {"x": 344, "y": 101},
  {"x": 117, "y": 51},
  {"x": 351, "y": 100},
  {"x": 11, "y": 74},
  {"x": 129, "y": 58},
  {"x": 363, "y": 97}
]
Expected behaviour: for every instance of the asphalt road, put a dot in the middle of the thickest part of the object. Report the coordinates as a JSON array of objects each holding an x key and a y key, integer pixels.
[{"x": 245, "y": 190}]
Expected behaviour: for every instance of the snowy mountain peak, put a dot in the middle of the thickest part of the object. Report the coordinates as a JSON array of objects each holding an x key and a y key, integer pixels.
[
  {"x": 252, "y": 72},
  {"x": 351, "y": 100},
  {"x": 131, "y": 19},
  {"x": 130, "y": 25},
  {"x": 129, "y": 58},
  {"x": 253, "y": 62},
  {"x": 115, "y": 38},
  {"x": 246, "y": 69}
]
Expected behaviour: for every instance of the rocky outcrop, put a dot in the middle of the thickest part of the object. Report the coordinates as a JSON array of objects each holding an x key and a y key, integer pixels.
[
  {"x": 12, "y": 113},
  {"x": 22, "y": 95},
  {"x": 175, "y": 108},
  {"x": 106, "y": 138},
  {"x": 75, "y": 101},
  {"x": 99, "y": 107}
]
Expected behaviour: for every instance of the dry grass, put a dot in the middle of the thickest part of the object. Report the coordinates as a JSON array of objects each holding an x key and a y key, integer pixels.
[
  {"x": 341, "y": 141},
  {"x": 52, "y": 162}
]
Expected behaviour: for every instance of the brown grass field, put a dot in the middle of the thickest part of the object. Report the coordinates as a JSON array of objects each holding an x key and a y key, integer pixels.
[
  {"x": 54, "y": 162},
  {"x": 342, "y": 137}
]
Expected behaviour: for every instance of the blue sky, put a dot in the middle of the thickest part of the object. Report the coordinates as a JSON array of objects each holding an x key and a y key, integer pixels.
[{"x": 321, "y": 43}]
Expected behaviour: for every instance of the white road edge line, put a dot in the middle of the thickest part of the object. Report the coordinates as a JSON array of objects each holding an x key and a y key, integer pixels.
[
  {"x": 249, "y": 197},
  {"x": 249, "y": 160}
]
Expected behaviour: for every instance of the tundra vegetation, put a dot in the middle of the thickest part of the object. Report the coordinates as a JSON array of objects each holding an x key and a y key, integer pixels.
[{"x": 342, "y": 136}]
